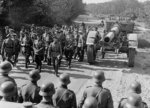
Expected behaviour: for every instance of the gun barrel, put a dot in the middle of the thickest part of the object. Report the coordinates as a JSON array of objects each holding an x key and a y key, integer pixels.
[{"x": 109, "y": 37}]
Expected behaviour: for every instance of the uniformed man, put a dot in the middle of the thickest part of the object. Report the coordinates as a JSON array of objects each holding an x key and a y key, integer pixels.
[
  {"x": 90, "y": 102},
  {"x": 135, "y": 87},
  {"x": 76, "y": 39},
  {"x": 55, "y": 52},
  {"x": 17, "y": 47},
  {"x": 30, "y": 91},
  {"x": 5, "y": 68},
  {"x": 69, "y": 45},
  {"x": 102, "y": 95},
  {"x": 22, "y": 33},
  {"x": 133, "y": 101},
  {"x": 39, "y": 49},
  {"x": 47, "y": 91},
  {"x": 64, "y": 98},
  {"x": 27, "y": 47},
  {"x": 8, "y": 49},
  {"x": 7, "y": 91}
]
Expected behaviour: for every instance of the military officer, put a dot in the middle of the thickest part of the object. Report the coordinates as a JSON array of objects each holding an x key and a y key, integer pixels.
[
  {"x": 47, "y": 91},
  {"x": 135, "y": 87},
  {"x": 55, "y": 52},
  {"x": 64, "y": 98},
  {"x": 7, "y": 90},
  {"x": 90, "y": 102},
  {"x": 30, "y": 91},
  {"x": 69, "y": 45},
  {"x": 39, "y": 48},
  {"x": 102, "y": 95},
  {"x": 17, "y": 47},
  {"x": 27, "y": 47},
  {"x": 5, "y": 68},
  {"x": 8, "y": 49}
]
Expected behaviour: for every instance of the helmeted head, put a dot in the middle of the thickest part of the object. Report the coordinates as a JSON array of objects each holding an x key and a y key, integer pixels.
[
  {"x": 90, "y": 102},
  {"x": 64, "y": 79},
  {"x": 5, "y": 67},
  {"x": 34, "y": 75},
  {"x": 134, "y": 101},
  {"x": 135, "y": 87},
  {"x": 7, "y": 89},
  {"x": 47, "y": 89},
  {"x": 99, "y": 77}
]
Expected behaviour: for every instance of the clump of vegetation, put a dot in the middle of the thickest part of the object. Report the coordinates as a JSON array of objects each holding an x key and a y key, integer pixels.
[{"x": 144, "y": 40}]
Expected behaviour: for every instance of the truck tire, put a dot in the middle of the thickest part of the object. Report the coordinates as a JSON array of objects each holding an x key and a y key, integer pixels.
[
  {"x": 90, "y": 54},
  {"x": 131, "y": 57}
]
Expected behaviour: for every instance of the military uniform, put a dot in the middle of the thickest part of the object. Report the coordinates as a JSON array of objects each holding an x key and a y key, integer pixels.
[
  {"x": 69, "y": 46},
  {"x": 39, "y": 49},
  {"x": 76, "y": 38},
  {"x": 102, "y": 95},
  {"x": 8, "y": 49},
  {"x": 29, "y": 93},
  {"x": 27, "y": 45},
  {"x": 44, "y": 104},
  {"x": 64, "y": 98},
  {"x": 55, "y": 52}
]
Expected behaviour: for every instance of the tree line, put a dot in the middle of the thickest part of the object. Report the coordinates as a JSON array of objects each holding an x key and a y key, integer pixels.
[
  {"x": 130, "y": 8},
  {"x": 39, "y": 12}
]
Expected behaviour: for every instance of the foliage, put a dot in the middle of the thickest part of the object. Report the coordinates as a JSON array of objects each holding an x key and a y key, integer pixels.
[{"x": 40, "y": 12}]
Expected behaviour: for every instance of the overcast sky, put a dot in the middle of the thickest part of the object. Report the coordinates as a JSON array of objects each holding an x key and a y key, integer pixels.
[{"x": 99, "y": 1}]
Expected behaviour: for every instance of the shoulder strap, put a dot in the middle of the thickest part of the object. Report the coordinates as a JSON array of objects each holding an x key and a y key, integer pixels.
[
  {"x": 98, "y": 93},
  {"x": 31, "y": 93},
  {"x": 61, "y": 97}
]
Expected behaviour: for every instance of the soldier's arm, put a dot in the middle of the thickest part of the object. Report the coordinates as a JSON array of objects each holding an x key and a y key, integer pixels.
[
  {"x": 81, "y": 102},
  {"x": 110, "y": 100},
  {"x": 49, "y": 50},
  {"x": 74, "y": 102},
  {"x": 60, "y": 49},
  {"x": 3, "y": 46}
]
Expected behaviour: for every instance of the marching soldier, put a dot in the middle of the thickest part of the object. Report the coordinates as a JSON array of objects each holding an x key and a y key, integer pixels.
[
  {"x": 76, "y": 39},
  {"x": 69, "y": 45},
  {"x": 64, "y": 98},
  {"x": 8, "y": 49},
  {"x": 5, "y": 68},
  {"x": 135, "y": 88},
  {"x": 22, "y": 33},
  {"x": 27, "y": 45},
  {"x": 7, "y": 91},
  {"x": 47, "y": 91},
  {"x": 39, "y": 49},
  {"x": 30, "y": 91},
  {"x": 17, "y": 47},
  {"x": 55, "y": 52},
  {"x": 90, "y": 102},
  {"x": 102, "y": 95}
]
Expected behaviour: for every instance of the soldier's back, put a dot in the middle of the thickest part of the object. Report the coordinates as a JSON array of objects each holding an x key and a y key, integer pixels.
[
  {"x": 6, "y": 78},
  {"x": 44, "y": 105}
]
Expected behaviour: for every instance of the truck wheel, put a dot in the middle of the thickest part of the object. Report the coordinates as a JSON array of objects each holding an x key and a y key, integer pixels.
[
  {"x": 90, "y": 54},
  {"x": 131, "y": 57}
]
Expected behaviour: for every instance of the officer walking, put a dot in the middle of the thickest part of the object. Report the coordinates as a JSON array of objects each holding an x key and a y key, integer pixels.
[
  {"x": 5, "y": 68},
  {"x": 8, "y": 49},
  {"x": 7, "y": 91},
  {"x": 30, "y": 91},
  {"x": 69, "y": 45},
  {"x": 17, "y": 47},
  {"x": 27, "y": 45},
  {"x": 47, "y": 91},
  {"x": 39, "y": 49},
  {"x": 135, "y": 88},
  {"x": 90, "y": 102},
  {"x": 64, "y": 98},
  {"x": 102, "y": 95},
  {"x": 55, "y": 52}
]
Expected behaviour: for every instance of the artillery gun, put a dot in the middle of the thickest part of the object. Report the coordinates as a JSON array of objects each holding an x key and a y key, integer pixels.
[{"x": 118, "y": 37}]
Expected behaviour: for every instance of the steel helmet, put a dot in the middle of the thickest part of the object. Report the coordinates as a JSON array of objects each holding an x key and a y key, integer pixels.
[
  {"x": 99, "y": 76},
  {"x": 64, "y": 79},
  {"x": 5, "y": 67},
  {"x": 90, "y": 102},
  {"x": 136, "y": 87},
  {"x": 47, "y": 89},
  {"x": 134, "y": 101},
  {"x": 7, "y": 89},
  {"x": 34, "y": 75}
]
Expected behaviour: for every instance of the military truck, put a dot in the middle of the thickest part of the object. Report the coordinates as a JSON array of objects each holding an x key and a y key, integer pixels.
[{"x": 118, "y": 37}]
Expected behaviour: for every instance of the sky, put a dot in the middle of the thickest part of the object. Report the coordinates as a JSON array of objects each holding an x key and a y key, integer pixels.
[{"x": 100, "y": 1}]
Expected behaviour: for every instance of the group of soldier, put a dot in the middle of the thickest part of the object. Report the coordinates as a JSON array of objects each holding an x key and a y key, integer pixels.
[
  {"x": 47, "y": 96},
  {"x": 45, "y": 44}
]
